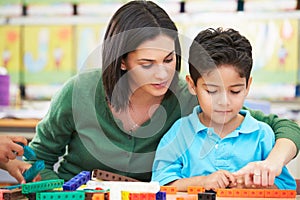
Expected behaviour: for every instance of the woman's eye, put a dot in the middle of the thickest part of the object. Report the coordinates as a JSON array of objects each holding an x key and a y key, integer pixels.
[
  {"x": 169, "y": 60},
  {"x": 146, "y": 66}
]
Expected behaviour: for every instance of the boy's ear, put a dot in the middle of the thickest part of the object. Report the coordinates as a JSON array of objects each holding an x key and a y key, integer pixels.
[
  {"x": 191, "y": 85},
  {"x": 249, "y": 85}
]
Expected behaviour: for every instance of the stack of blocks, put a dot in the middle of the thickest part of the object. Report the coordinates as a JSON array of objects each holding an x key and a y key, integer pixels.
[{"x": 81, "y": 187}]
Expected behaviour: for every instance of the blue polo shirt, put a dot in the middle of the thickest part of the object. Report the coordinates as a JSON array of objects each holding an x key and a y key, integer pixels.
[{"x": 191, "y": 149}]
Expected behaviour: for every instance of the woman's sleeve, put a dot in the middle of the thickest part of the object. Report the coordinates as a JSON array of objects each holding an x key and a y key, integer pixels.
[
  {"x": 283, "y": 128},
  {"x": 53, "y": 133}
]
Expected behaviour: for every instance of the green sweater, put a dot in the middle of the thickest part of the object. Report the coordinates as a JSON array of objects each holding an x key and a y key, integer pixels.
[{"x": 81, "y": 129}]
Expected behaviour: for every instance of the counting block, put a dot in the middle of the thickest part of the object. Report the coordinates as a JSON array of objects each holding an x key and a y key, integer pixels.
[
  {"x": 207, "y": 196},
  {"x": 168, "y": 189},
  {"x": 78, "y": 180},
  {"x": 161, "y": 196},
  {"x": 34, "y": 170},
  {"x": 195, "y": 189}
]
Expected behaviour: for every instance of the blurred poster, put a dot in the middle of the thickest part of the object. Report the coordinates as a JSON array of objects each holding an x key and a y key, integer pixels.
[
  {"x": 89, "y": 39},
  {"x": 47, "y": 55},
  {"x": 10, "y": 51}
]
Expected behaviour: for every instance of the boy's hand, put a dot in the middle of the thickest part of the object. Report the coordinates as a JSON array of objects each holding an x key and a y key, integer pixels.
[{"x": 219, "y": 179}]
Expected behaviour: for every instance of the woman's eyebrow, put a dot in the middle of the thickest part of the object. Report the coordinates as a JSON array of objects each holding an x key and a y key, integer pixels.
[{"x": 150, "y": 60}]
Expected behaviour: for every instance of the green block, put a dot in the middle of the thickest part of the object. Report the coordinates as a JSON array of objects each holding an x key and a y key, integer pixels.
[
  {"x": 41, "y": 186},
  {"x": 72, "y": 195}
]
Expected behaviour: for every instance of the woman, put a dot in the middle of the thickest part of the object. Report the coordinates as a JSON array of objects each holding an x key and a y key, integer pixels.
[{"x": 112, "y": 119}]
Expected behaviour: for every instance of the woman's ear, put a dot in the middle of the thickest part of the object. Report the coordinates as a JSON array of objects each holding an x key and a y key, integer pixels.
[
  {"x": 191, "y": 85},
  {"x": 123, "y": 65}
]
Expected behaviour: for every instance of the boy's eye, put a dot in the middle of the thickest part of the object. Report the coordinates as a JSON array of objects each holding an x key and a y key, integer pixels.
[
  {"x": 235, "y": 92},
  {"x": 211, "y": 91}
]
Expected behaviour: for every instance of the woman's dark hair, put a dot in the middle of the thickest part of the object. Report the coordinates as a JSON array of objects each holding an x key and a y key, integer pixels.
[
  {"x": 133, "y": 24},
  {"x": 212, "y": 48}
]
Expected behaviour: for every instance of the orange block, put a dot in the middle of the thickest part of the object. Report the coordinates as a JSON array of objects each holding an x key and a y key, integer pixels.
[
  {"x": 168, "y": 189},
  {"x": 240, "y": 193},
  {"x": 225, "y": 192},
  {"x": 98, "y": 196},
  {"x": 288, "y": 193},
  {"x": 195, "y": 189},
  {"x": 272, "y": 193},
  {"x": 256, "y": 193}
]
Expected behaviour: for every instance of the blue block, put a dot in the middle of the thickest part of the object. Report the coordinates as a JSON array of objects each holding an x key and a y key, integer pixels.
[
  {"x": 28, "y": 152},
  {"x": 34, "y": 170},
  {"x": 77, "y": 181},
  {"x": 161, "y": 196}
]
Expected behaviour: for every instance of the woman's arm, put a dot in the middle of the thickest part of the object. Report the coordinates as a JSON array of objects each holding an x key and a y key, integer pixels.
[
  {"x": 287, "y": 134},
  {"x": 283, "y": 128},
  {"x": 54, "y": 131}
]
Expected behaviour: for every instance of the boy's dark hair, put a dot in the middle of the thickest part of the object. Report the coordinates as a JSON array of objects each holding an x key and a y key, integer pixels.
[
  {"x": 133, "y": 24},
  {"x": 214, "y": 47}
]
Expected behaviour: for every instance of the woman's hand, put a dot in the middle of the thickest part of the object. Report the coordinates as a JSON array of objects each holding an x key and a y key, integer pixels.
[
  {"x": 260, "y": 173},
  {"x": 9, "y": 149},
  {"x": 263, "y": 173},
  {"x": 16, "y": 168}
]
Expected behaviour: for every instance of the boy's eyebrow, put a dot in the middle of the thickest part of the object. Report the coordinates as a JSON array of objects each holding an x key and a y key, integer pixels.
[
  {"x": 146, "y": 59},
  {"x": 238, "y": 85},
  {"x": 209, "y": 84},
  {"x": 213, "y": 85}
]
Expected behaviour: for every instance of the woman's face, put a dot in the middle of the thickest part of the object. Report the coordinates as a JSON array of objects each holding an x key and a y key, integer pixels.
[{"x": 151, "y": 67}]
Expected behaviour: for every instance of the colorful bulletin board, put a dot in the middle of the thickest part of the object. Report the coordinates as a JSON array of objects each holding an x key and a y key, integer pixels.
[
  {"x": 48, "y": 55},
  {"x": 10, "y": 51},
  {"x": 89, "y": 39}
]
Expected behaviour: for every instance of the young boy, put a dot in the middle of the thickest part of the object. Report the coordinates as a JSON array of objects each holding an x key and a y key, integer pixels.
[{"x": 219, "y": 137}]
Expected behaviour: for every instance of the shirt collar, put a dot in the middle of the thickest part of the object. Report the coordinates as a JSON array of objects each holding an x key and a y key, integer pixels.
[{"x": 248, "y": 125}]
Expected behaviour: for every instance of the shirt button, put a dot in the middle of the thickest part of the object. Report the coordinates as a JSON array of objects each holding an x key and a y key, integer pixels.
[{"x": 216, "y": 146}]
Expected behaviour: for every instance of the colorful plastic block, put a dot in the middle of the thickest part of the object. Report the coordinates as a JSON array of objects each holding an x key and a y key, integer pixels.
[
  {"x": 195, "y": 189},
  {"x": 34, "y": 170},
  {"x": 161, "y": 196},
  {"x": 28, "y": 152},
  {"x": 207, "y": 196},
  {"x": 13, "y": 194},
  {"x": 42, "y": 186},
  {"x": 168, "y": 189},
  {"x": 99, "y": 196},
  {"x": 225, "y": 193},
  {"x": 78, "y": 180},
  {"x": 60, "y": 195},
  {"x": 89, "y": 194}
]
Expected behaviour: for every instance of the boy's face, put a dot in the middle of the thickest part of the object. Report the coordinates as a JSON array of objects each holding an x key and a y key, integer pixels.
[{"x": 221, "y": 94}]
